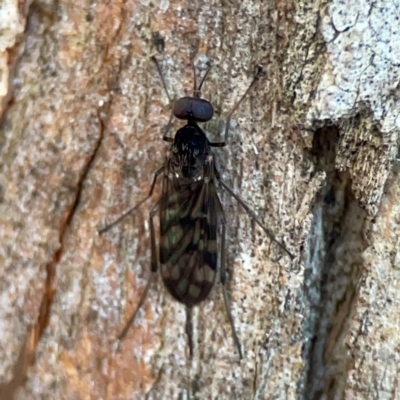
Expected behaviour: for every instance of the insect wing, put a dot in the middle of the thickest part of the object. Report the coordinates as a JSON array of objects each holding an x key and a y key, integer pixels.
[{"x": 188, "y": 242}]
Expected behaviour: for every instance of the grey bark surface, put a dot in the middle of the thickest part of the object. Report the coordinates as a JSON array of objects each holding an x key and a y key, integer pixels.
[{"x": 312, "y": 150}]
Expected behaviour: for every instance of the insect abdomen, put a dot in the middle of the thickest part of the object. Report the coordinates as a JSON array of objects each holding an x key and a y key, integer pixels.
[
  {"x": 188, "y": 248},
  {"x": 189, "y": 288}
]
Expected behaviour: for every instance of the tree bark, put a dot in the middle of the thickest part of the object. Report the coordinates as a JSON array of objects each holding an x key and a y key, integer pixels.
[{"x": 312, "y": 150}]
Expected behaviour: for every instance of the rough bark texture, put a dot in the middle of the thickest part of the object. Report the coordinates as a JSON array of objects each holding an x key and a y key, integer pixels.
[{"x": 312, "y": 150}]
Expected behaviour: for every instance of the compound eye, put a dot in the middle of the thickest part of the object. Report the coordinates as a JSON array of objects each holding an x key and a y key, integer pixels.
[
  {"x": 199, "y": 110},
  {"x": 183, "y": 108},
  {"x": 202, "y": 110}
]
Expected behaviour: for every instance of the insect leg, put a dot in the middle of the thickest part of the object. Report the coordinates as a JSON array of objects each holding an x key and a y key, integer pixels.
[
  {"x": 162, "y": 79},
  {"x": 125, "y": 214},
  {"x": 166, "y": 138},
  {"x": 154, "y": 267},
  {"x": 222, "y": 273},
  {"x": 228, "y": 119},
  {"x": 253, "y": 215},
  {"x": 168, "y": 127},
  {"x": 217, "y": 144},
  {"x": 189, "y": 329}
]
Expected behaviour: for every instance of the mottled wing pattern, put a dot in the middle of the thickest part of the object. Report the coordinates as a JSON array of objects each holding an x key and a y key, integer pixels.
[{"x": 188, "y": 242}]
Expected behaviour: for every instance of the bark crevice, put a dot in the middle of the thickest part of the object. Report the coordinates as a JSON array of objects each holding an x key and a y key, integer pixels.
[{"x": 332, "y": 273}]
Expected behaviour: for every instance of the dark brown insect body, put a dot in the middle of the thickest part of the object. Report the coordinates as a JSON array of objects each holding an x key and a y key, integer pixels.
[
  {"x": 188, "y": 247},
  {"x": 191, "y": 212}
]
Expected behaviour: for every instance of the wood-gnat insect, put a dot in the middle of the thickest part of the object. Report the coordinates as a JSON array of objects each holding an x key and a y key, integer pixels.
[{"x": 191, "y": 211}]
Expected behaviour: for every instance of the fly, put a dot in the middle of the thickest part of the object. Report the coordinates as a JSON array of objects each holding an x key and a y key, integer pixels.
[{"x": 191, "y": 211}]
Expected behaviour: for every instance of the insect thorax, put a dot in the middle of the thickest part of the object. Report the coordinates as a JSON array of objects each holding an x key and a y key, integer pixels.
[{"x": 189, "y": 152}]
